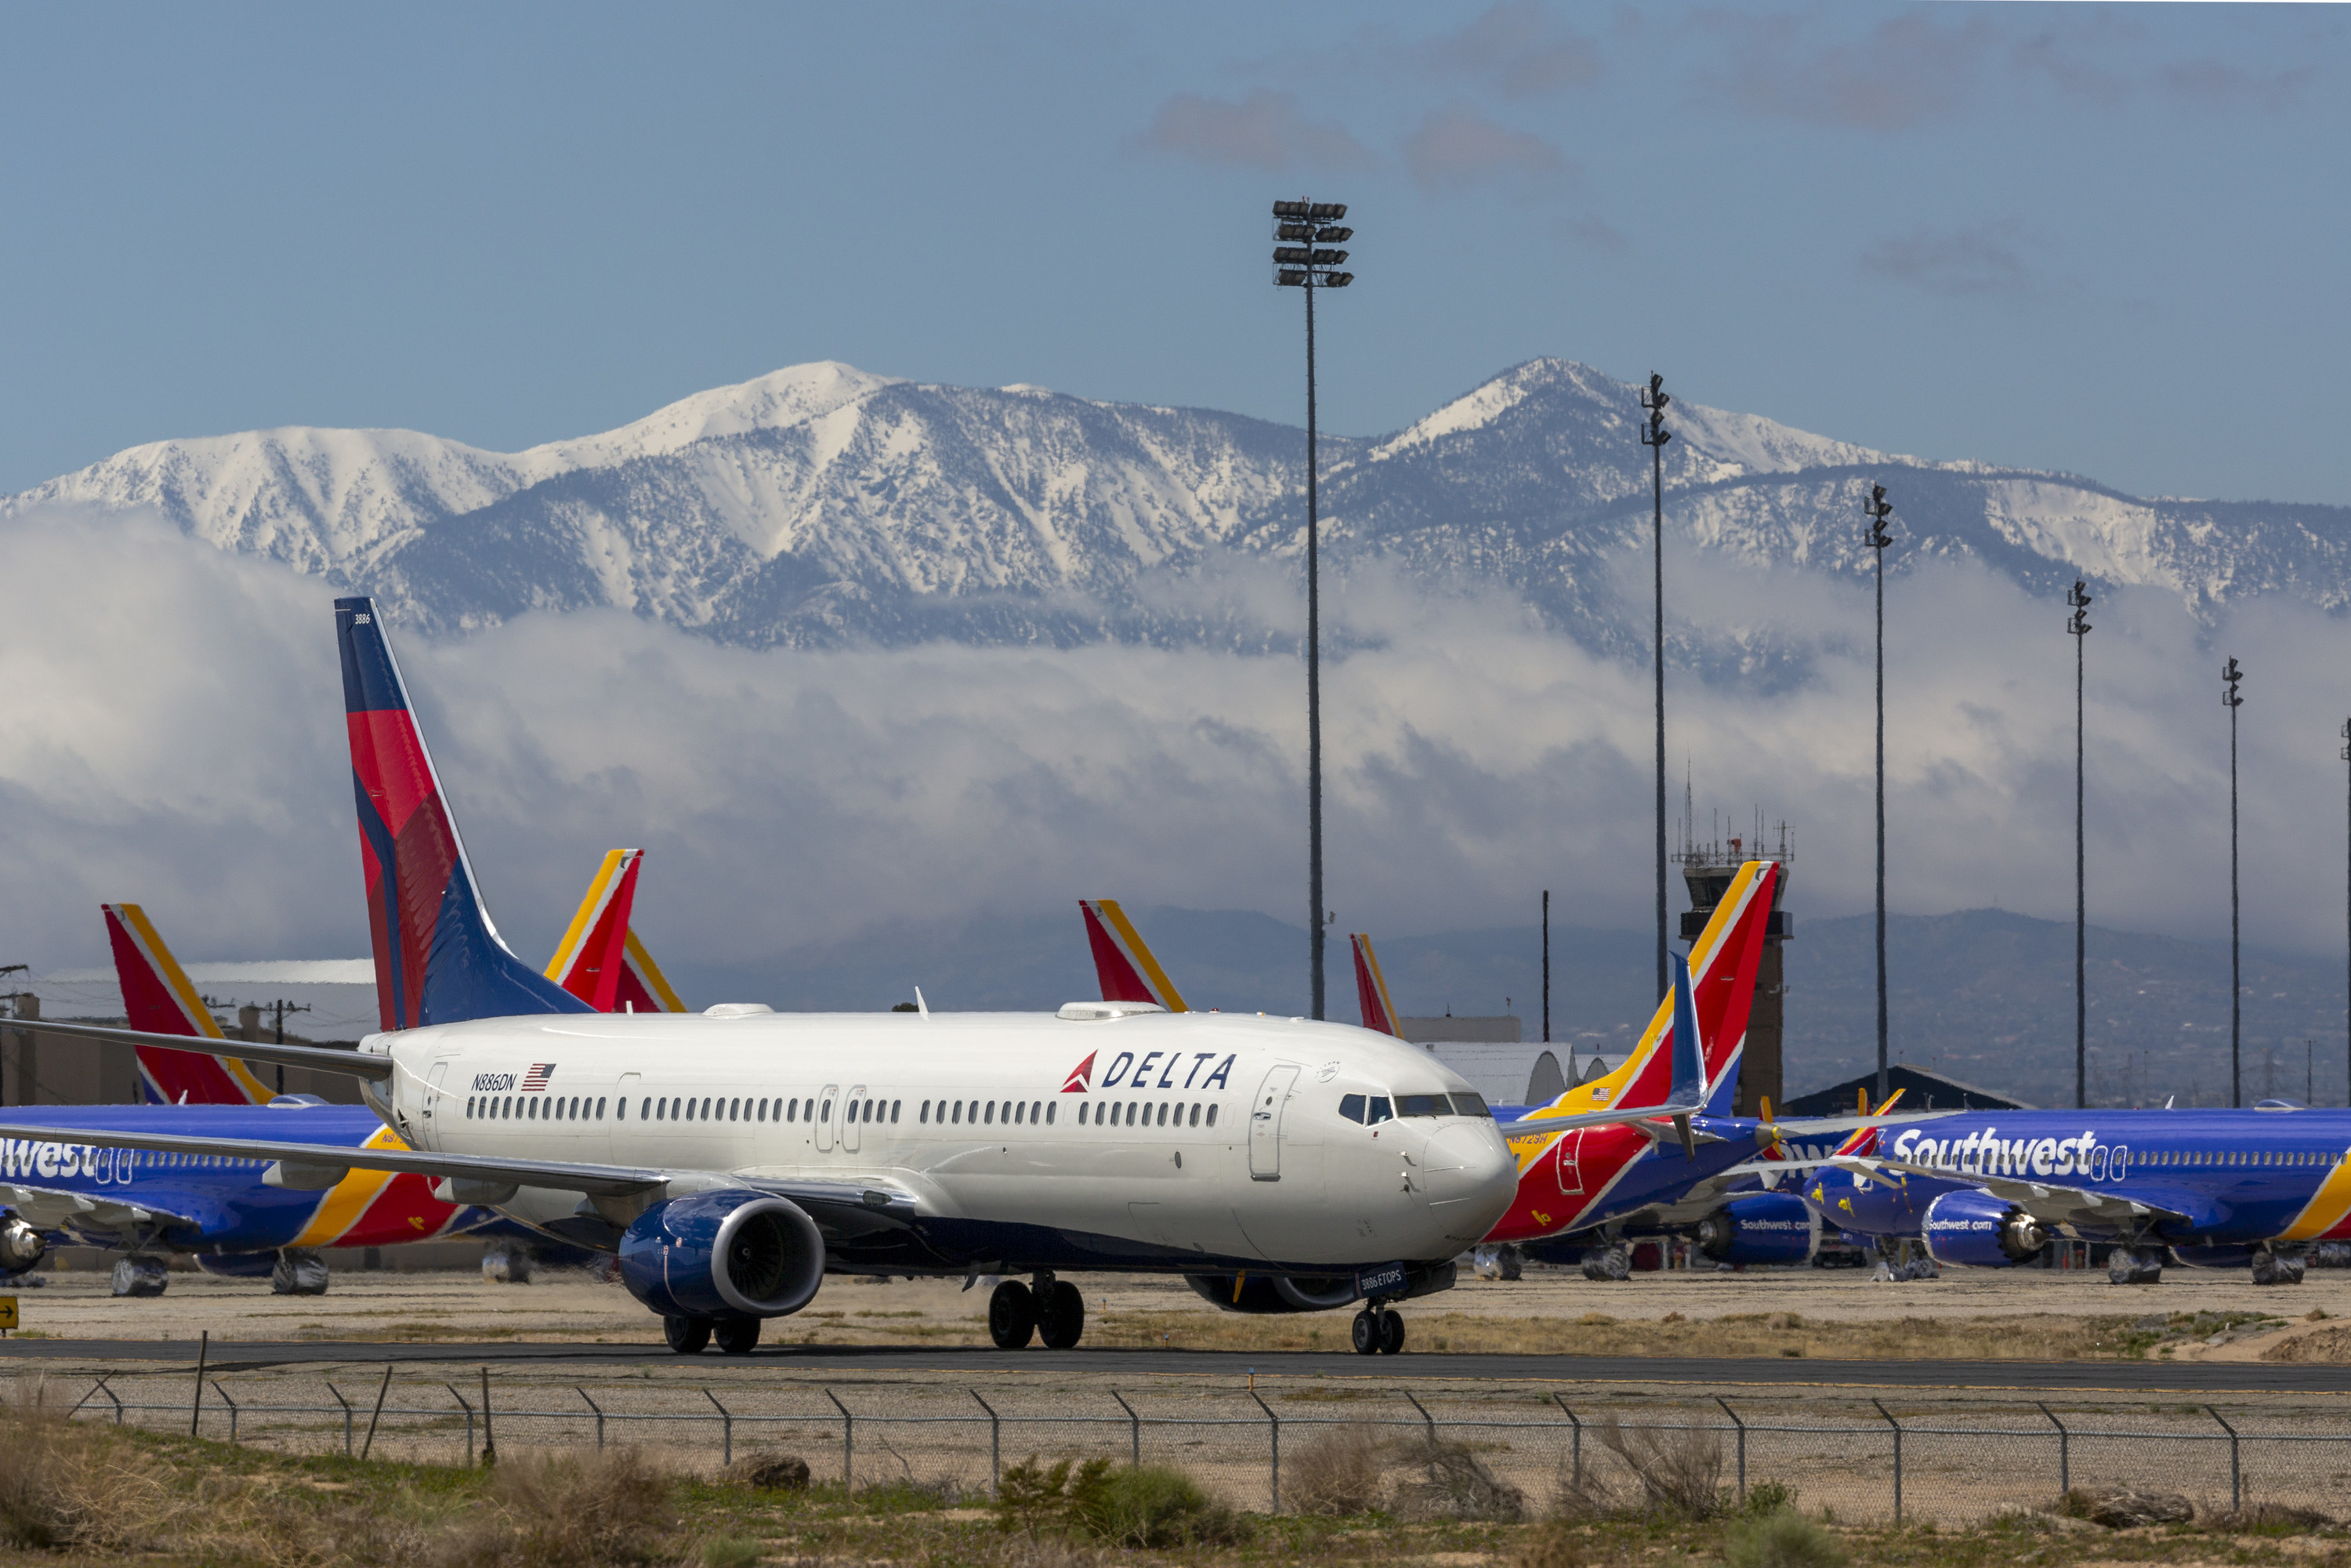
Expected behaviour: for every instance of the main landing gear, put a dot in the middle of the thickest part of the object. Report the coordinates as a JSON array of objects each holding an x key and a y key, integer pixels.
[
  {"x": 1053, "y": 1309},
  {"x": 1378, "y": 1330},
  {"x": 692, "y": 1336}
]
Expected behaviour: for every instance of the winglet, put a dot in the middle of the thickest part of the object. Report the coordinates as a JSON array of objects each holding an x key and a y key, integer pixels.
[
  {"x": 1371, "y": 987},
  {"x": 156, "y": 999},
  {"x": 438, "y": 956},
  {"x": 593, "y": 959},
  {"x": 1123, "y": 960}
]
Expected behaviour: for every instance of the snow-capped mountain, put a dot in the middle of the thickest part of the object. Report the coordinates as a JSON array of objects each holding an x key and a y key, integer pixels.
[{"x": 821, "y": 505}]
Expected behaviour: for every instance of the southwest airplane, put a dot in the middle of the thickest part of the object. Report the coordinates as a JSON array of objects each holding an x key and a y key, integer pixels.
[
  {"x": 59, "y": 1178},
  {"x": 1585, "y": 1190},
  {"x": 2217, "y": 1189},
  {"x": 732, "y": 1158}
]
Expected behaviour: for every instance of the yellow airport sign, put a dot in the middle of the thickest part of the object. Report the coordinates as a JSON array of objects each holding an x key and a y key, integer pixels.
[{"x": 8, "y": 1311}]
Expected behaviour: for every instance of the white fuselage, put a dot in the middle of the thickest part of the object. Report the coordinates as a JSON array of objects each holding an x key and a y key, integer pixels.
[{"x": 1144, "y": 1139}]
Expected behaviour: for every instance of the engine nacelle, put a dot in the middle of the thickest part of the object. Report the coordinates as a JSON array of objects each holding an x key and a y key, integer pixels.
[
  {"x": 1973, "y": 1229},
  {"x": 728, "y": 1254},
  {"x": 21, "y": 1246},
  {"x": 1261, "y": 1293},
  {"x": 1761, "y": 1228}
]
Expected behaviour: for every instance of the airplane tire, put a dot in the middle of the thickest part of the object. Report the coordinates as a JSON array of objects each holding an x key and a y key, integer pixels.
[
  {"x": 1011, "y": 1315},
  {"x": 1061, "y": 1316},
  {"x": 687, "y": 1337},
  {"x": 1366, "y": 1332},
  {"x": 140, "y": 1276},
  {"x": 738, "y": 1336},
  {"x": 1391, "y": 1333},
  {"x": 2277, "y": 1268}
]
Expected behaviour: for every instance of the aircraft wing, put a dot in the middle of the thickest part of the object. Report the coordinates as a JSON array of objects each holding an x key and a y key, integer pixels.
[
  {"x": 48, "y": 1208},
  {"x": 327, "y": 1058},
  {"x": 2051, "y": 1201},
  {"x": 560, "y": 1176}
]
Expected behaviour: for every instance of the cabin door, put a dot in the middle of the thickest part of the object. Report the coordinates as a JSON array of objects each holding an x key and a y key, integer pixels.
[{"x": 1265, "y": 1124}]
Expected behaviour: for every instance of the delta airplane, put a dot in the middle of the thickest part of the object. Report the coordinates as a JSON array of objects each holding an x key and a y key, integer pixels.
[
  {"x": 2216, "y": 1189},
  {"x": 58, "y": 1180},
  {"x": 732, "y": 1158},
  {"x": 1582, "y": 1192}
]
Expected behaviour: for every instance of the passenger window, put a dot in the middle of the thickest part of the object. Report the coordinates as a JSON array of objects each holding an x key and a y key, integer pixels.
[
  {"x": 599, "y": 1108},
  {"x": 894, "y": 1104},
  {"x": 1082, "y": 1113},
  {"x": 1374, "y": 1114},
  {"x": 1352, "y": 1107},
  {"x": 1163, "y": 1114},
  {"x": 825, "y": 1111},
  {"x": 1034, "y": 1106},
  {"x": 1048, "y": 1112},
  {"x": 991, "y": 1113},
  {"x": 1212, "y": 1115},
  {"x": 958, "y": 1112},
  {"x": 1196, "y": 1116},
  {"x": 924, "y": 1115},
  {"x": 1134, "y": 1109}
]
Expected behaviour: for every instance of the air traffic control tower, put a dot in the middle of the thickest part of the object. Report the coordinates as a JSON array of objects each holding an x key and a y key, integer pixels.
[{"x": 1707, "y": 868}]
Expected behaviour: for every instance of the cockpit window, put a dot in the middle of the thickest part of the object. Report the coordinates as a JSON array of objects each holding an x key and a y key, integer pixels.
[
  {"x": 1423, "y": 1105},
  {"x": 1378, "y": 1111},
  {"x": 1470, "y": 1105},
  {"x": 1352, "y": 1107}
]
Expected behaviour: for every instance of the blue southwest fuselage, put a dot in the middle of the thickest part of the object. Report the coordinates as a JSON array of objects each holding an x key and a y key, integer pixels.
[
  {"x": 194, "y": 1203},
  {"x": 2207, "y": 1177}
]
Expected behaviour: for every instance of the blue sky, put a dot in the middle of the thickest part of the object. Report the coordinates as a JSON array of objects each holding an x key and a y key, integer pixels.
[{"x": 2105, "y": 238}]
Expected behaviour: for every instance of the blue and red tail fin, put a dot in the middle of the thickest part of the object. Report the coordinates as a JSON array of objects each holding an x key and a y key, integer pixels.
[
  {"x": 1378, "y": 1009},
  {"x": 438, "y": 956},
  {"x": 1744, "y": 926},
  {"x": 1688, "y": 1086},
  {"x": 1123, "y": 960},
  {"x": 594, "y": 957},
  {"x": 158, "y": 999}
]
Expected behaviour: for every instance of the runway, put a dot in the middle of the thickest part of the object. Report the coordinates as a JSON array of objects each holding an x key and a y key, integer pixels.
[{"x": 1699, "y": 1372}]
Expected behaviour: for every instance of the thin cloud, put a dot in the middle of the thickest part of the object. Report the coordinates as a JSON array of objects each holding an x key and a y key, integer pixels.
[
  {"x": 1518, "y": 49},
  {"x": 1455, "y": 148},
  {"x": 2215, "y": 84},
  {"x": 1266, "y": 129},
  {"x": 1908, "y": 71},
  {"x": 1957, "y": 263}
]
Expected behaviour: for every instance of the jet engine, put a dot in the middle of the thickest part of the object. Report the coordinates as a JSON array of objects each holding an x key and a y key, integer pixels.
[
  {"x": 1261, "y": 1293},
  {"x": 21, "y": 1246},
  {"x": 1973, "y": 1229},
  {"x": 727, "y": 1254},
  {"x": 1761, "y": 1228}
]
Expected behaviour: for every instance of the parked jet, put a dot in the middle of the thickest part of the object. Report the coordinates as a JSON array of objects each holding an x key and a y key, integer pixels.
[{"x": 733, "y": 1158}]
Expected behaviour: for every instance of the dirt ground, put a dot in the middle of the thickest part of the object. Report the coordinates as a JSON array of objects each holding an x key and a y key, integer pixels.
[{"x": 1792, "y": 1312}]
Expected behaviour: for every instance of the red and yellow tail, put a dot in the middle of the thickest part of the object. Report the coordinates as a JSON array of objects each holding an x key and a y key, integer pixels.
[
  {"x": 1371, "y": 987},
  {"x": 1123, "y": 960},
  {"x": 159, "y": 1000},
  {"x": 593, "y": 955}
]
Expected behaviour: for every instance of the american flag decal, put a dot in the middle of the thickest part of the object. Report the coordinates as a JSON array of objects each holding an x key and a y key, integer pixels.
[{"x": 536, "y": 1079}]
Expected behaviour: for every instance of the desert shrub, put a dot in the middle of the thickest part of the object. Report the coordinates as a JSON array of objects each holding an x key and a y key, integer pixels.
[
  {"x": 1782, "y": 1538},
  {"x": 1337, "y": 1472},
  {"x": 906, "y": 1495},
  {"x": 1150, "y": 1505},
  {"x": 1679, "y": 1471},
  {"x": 609, "y": 1509},
  {"x": 1032, "y": 1499},
  {"x": 1770, "y": 1497},
  {"x": 64, "y": 1484},
  {"x": 1459, "y": 1486},
  {"x": 772, "y": 1472}
]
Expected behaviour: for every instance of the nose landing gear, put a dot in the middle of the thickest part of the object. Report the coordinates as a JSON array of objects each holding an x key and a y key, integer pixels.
[{"x": 1378, "y": 1330}]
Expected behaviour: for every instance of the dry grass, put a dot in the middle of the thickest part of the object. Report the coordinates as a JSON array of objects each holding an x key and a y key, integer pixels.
[
  {"x": 608, "y": 1510},
  {"x": 67, "y": 1484},
  {"x": 1668, "y": 1473},
  {"x": 1338, "y": 1472}
]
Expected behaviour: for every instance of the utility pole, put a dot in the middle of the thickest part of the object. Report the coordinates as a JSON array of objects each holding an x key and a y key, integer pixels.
[
  {"x": 281, "y": 1007},
  {"x": 2346, "y": 733},
  {"x": 1876, "y": 509},
  {"x": 2078, "y": 625},
  {"x": 11, "y": 998},
  {"x": 1300, "y": 227},
  {"x": 2229, "y": 675},
  {"x": 1654, "y": 435},
  {"x": 1546, "y": 923}
]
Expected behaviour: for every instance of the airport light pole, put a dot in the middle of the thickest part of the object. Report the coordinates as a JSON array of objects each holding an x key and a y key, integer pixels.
[
  {"x": 2229, "y": 675},
  {"x": 1654, "y": 435},
  {"x": 1301, "y": 230},
  {"x": 2346, "y": 733},
  {"x": 1876, "y": 509},
  {"x": 2078, "y": 626}
]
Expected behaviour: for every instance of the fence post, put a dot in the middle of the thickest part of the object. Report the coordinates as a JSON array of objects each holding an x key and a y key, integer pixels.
[
  {"x": 1275, "y": 1432},
  {"x": 1577, "y": 1423},
  {"x": 204, "y": 1355},
  {"x": 727, "y": 1428},
  {"x": 110, "y": 1392},
  {"x": 2064, "y": 1452},
  {"x": 489, "y": 1428},
  {"x": 599, "y": 1416},
  {"x": 468, "y": 1409},
  {"x": 995, "y": 1444},
  {"x": 1428, "y": 1420},
  {"x": 377, "y": 1414},
  {"x": 1134, "y": 1429},
  {"x": 347, "y": 1426},
  {"x": 2236, "y": 1475},
  {"x": 1735, "y": 1421},
  {"x": 232, "y": 1410},
  {"x": 848, "y": 1441},
  {"x": 1897, "y": 1460}
]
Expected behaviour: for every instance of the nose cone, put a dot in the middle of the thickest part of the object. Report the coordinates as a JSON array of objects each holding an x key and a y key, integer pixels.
[{"x": 1471, "y": 1178}]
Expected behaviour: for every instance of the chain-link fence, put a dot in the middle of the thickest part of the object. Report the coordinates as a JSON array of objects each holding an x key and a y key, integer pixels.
[{"x": 1950, "y": 1463}]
